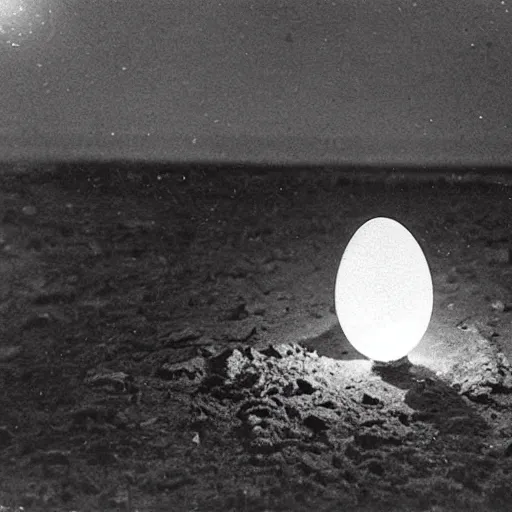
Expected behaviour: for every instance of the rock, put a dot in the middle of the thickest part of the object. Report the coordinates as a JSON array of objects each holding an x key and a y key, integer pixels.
[
  {"x": 321, "y": 420},
  {"x": 305, "y": 387},
  {"x": 191, "y": 369},
  {"x": 481, "y": 371},
  {"x": 237, "y": 313},
  {"x": 180, "y": 336},
  {"x": 261, "y": 443},
  {"x": 369, "y": 400},
  {"x": 273, "y": 351},
  {"x": 253, "y": 420},
  {"x": 114, "y": 382},
  {"x": 253, "y": 355},
  {"x": 328, "y": 404},
  {"x": 284, "y": 350},
  {"x": 284, "y": 296},
  {"x": 29, "y": 211},
  {"x": 498, "y": 305},
  {"x": 391, "y": 367},
  {"x": 228, "y": 364},
  {"x": 207, "y": 351},
  {"x": 403, "y": 418},
  {"x": 149, "y": 422},
  {"x": 239, "y": 333},
  {"x": 315, "y": 423}
]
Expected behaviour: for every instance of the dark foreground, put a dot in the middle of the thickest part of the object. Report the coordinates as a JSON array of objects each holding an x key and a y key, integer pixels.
[{"x": 155, "y": 346}]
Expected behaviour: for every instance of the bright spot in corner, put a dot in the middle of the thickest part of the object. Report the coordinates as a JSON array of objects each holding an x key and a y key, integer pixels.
[{"x": 9, "y": 8}]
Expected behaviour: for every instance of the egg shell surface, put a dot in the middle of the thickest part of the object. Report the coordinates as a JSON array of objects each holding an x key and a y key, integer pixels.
[{"x": 383, "y": 291}]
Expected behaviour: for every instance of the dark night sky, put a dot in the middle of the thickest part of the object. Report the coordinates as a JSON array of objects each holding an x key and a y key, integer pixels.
[{"x": 413, "y": 81}]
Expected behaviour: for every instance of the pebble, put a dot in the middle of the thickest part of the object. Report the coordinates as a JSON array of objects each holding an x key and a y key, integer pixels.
[
  {"x": 29, "y": 210},
  {"x": 498, "y": 305},
  {"x": 116, "y": 382},
  {"x": 305, "y": 387}
]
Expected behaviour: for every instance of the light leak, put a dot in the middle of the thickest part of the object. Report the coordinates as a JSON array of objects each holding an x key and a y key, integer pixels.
[
  {"x": 25, "y": 21},
  {"x": 11, "y": 8}
]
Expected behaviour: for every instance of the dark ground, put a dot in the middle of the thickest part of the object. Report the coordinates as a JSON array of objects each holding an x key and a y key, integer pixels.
[{"x": 137, "y": 308}]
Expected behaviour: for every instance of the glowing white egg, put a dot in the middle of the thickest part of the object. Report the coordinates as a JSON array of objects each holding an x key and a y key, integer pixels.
[{"x": 383, "y": 293}]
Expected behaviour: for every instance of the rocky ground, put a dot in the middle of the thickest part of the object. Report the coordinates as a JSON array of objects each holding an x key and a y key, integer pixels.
[{"x": 168, "y": 342}]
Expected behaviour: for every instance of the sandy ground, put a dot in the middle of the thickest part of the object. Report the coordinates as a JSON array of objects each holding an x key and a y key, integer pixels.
[{"x": 168, "y": 342}]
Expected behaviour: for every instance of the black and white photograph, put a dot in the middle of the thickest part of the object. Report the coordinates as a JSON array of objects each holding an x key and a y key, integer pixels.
[{"x": 255, "y": 255}]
